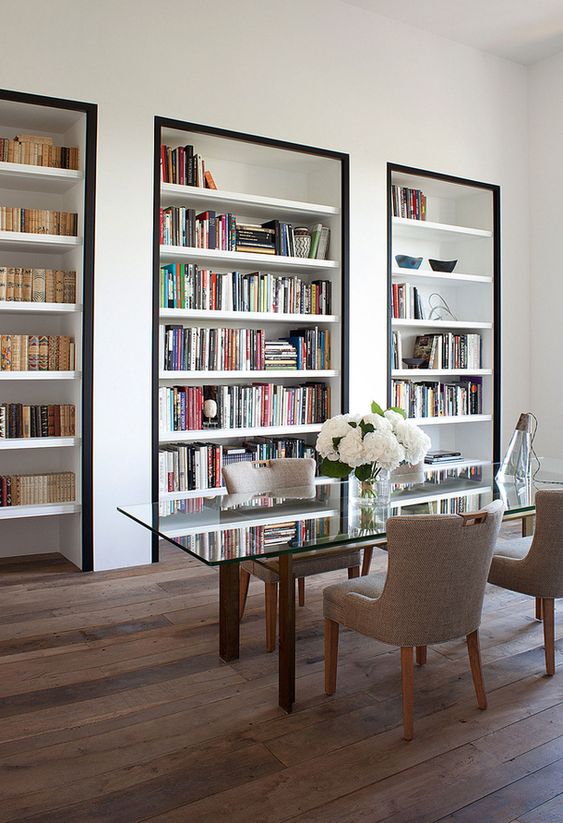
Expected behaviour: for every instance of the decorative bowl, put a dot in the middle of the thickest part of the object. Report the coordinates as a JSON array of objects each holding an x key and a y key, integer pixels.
[
  {"x": 442, "y": 265},
  {"x": 406, "y": 262},
  {"x": 414, "y": 362}
]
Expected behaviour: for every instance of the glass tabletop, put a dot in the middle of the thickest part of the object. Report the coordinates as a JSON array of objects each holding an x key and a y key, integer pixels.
[{"x": 228, "y": 528}]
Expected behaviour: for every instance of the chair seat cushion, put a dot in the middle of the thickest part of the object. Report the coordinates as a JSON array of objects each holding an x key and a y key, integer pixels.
[
  {"x": 336, "y": 597},
  {"x": 306, "y": 564},
  {"x": 517, "y": 547}
]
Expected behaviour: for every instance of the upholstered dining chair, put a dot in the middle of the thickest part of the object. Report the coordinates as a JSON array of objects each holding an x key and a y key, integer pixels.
[
  {"x": 268, "y": 476},
  {"x": 534, "y": 565},
  {"x": 433, "y": 592}
]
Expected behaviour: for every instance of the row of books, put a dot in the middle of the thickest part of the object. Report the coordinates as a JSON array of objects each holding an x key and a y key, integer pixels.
[
  {"x": 407, "y": 302},
  {"x": 409, "y": 203},
  {"x": 226, "y": 349},
  {"x": 37, "y": 285},
  {"x": 34, "y": 420},
  {"x": 34, "y": 150},
  {"x": 191, "y": 466},
  {"x": 277, "y": 237},
  {"x": 180, "y": 226},
  {"x": 37, "y": 489},
  {"x": 449, "y": 350},
  {"x": 431, "y": 399},
  {"x": 32, "y": 352},
  {"x": 184, "y": 167},
  {"x": 243, "y": 406},
  {"x": 185, "y": 286},
  {"x": 38, "y": 221},
  {"x": 460, "y": 504}
]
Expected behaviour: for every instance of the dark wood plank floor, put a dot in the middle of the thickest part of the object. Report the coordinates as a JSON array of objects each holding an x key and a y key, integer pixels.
[{"x": 114, "y": 707}]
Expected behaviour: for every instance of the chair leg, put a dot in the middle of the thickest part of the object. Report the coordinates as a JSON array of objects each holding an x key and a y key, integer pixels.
[
  {"x": 421, "y": 655},
  {"x": 538, "y": 608},
  {"x": 475, "y": 663},
  {"x": 301, "y": 590},
  {"x": 353, "y": 571},
  {"x": 366, "y": 560},
  {"x": 548, "y": 609},
  {"x": 407, "y": 674},
  {"x": 271, "y": 592},
  {"x": 331, "y": 655},
  {"x": 243, "y": 591}
]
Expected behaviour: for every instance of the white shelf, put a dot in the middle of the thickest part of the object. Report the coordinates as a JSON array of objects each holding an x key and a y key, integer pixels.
[
  {"x": 43, "y": 510},
  {"x": 417, "y": 499},
  {"x": 231, "y": 434},
  {"x": 243, "y": 260},
  {"x": 441, "y": 324},
  {"x": 251, "y": 204},
  {"x": 432, "y": 373},
  {"x": 448, "y": 420},
  {"x": 246, "y": 316},
  {"x": 406, "y": 227},
  {"x": 39, "y": 375},
  {"x": 21, "y": 307},
  {"x": 25, "y": 177},
  {"x": 8, "y": 444},
  {"x": 268, "y": 519},
  {"x": 167, "y": 496},
  {"x": 429, "y": 275},
  {"x": 294, "y": 374},
  {"x": 43, "y": 243}
]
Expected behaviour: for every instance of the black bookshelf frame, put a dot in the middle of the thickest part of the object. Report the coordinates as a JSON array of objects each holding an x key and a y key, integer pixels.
[
  {"x": 494, "y": 189},
  {"x": 90, "y": 110},
  {"x": 161, "y": 123}
]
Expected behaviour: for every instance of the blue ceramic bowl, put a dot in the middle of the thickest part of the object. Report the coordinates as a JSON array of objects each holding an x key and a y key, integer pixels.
[
  {"x": 442, "y": 265},
  {"x": 406, "y": 262}
]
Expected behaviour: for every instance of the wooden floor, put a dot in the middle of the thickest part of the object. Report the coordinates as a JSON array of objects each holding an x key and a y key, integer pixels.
[{"x": 115, "y": 708}]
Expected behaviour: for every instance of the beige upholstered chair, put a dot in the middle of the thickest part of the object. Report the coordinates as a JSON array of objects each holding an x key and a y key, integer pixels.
[
  {"x": 534, "y": 566},
  {"x": 433, "y": 592},
  {"x": 267, "y": 476}
]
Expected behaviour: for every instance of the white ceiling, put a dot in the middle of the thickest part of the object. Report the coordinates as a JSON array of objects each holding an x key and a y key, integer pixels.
[{"x": 521, "y": 30}]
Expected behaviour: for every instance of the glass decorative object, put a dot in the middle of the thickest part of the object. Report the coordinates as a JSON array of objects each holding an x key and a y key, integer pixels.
[{"x": 516, "y": 463}]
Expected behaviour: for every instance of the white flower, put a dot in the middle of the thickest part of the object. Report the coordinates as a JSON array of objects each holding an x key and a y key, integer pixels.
[
  {"x": 378, "y": 422},
  {"x": 335, "y": 427},
  {"x": 383, "y": 448},
  {"x": 394, "y": 417},
  {"x": 415, "y": 442},
  {"x": 351, "y": 448}
]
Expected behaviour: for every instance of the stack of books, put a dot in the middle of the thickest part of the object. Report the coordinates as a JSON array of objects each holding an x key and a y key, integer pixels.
[
  {"x": 23, "y": 420},
  {"x": 29, "y": 352},
  {"x": 409, "y": 203},
  {"x": 36, "y": 489},
  {"x": 37, "y": 285},
  {"x": 38, "y": 221},
  {"x": 180, "y": 226},
  {"x": 280, "y": 354},
  {"x": 184, "y": 167},
  {"x": 219, "y": 349},
  {"x": 435, "y": 399},
  {"x": 312, "y": 347},
  {"x": 407, "y": 303},
  {"x": 38, "y": 150},
  {"x": 255, "y": 238},
  {"x": 449, "y": 350},
  {"x": 188, "y": 466}
]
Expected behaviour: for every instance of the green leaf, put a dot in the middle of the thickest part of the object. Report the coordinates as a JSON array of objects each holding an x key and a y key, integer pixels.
[
  {"x": 366, "y": 427},
  {"x": 402, "y": 412},
  {"x": 334, "y": 468},
  {"x": 335, "y": 442},
  {"x": 363, "y": 472},
  {"x": 376, "y": 409}
]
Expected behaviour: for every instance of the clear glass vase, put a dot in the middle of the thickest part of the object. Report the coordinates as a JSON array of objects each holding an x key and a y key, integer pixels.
[{"x": 373, "y": 492}]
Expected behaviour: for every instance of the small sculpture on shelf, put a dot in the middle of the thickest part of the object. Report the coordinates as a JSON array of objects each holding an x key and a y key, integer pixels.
[{"x": 210, "y": 414}]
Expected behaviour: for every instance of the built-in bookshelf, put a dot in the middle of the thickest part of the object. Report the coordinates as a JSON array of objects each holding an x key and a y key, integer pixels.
[
  {"x": 448, "y": 320},
  {"x": 259, "y": 275},
  {"x": 47, "y": 188}
]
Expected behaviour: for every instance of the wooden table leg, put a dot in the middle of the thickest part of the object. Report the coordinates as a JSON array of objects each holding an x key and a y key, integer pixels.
[
  {"x": 528, "y": 526},
  {"x": 287, "y": 633},
  {"x": 229, "y": 620}
]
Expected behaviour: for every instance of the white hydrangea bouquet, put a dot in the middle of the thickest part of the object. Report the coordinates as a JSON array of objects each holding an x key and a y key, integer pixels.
[{"x": 370, "y": 444}]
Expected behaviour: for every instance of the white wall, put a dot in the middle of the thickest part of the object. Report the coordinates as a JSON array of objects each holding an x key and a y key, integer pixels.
[
  {"x": 322, "y": 72},
  {"x": 546, "y": 238}
]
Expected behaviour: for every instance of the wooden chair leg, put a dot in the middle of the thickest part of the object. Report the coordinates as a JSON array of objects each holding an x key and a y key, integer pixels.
[
  {"x": 331, "y": 655},
  {"x": 538, "y": 608},
  {"x": 243, "y": 591},
  {"x": 353, "y": 571},
  {"x": 366, "y": 560},
  {"x": 548, "y": 610},
  {"x": 475, "y": 663},
  {"x": 407, "y": 674},
  {"x": 301, "y": 590},
  {"x": 421, "y": 652},
  {"x": 271, "y": 593}
]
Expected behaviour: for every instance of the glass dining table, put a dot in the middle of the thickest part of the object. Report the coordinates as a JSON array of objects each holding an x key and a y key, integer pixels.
[{"x": 222, "y": 530}]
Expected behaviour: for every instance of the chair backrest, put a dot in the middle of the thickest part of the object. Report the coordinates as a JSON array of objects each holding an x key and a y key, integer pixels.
[
  {"x": 542, "y": 568},
  {"x": 269, "y": 475},
  {"x": 438, "y": 568}
]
